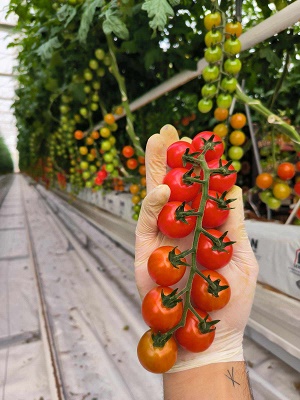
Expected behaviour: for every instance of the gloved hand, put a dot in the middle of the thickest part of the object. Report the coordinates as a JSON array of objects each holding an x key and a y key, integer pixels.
[{"x": 241, "y": 272}]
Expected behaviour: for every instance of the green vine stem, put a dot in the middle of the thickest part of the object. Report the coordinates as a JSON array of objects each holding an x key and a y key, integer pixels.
[
  {"x": 125, "y": 103},
  {"x": 273, "y": 119}
]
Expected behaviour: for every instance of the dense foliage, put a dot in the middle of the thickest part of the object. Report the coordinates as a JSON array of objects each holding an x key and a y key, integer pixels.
[
  {"x": 6, "y": 162},
  {"x": 81, "y": 59}
]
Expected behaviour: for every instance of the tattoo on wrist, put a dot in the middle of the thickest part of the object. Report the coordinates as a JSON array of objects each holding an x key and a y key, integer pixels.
[{"x": 230, "y": 376}]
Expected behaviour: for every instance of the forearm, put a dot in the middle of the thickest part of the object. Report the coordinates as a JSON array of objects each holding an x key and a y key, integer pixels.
[{"x": 228, "y": 380}]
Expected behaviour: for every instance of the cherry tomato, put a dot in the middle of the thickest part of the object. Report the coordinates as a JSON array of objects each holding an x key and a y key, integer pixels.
[
  {"x": 198, "y": 144},
  {"x": 297, "y": 189},
  {"x": 221, "y": 130},
  {"x": 221, "y": 113},
  {"x": 233, "y": 28},
  {"x": 209, "y": 90},
  {"x": 212, "y": 37},
  {"x": 286, "y": 171},
  {"x": 172, "y": 227},
  {"x": 224, "y": 100},
  {"x": 265, "y": 195},
  {"x": 219, "y": 182},
  {"x": 232, "y": 46},
  {"x": 175, "y": 152},
  {"x": 156, "y": 359},
  {"x": 131, "y": 163},
  {"x": 232, "y": 66},
  {"x": 273, "y": 203},
  {"x": 134, "y": 189},
  {"x": 160, "y": 268},
  {"x": 237, "y": 138},
  {"x": 109, "y": 119},
  {"x": 281, "y": 191},
  {"x": 210, "y": 73},
  {"x": 229, "y": 84},
  {"x": 264, "y": 180},
  {"x": 205, "y": 300},
  {"x": 128, "y": 151},
  {"x": 213, "y": 216},
  {"x": 213, "y": 54},
  {"x": 212, "y": 19},
  {"x": 235, "y": 153},
  {"x": 205, "y": 105},
  {"x": 180, "y": 191},
  {"x": 209, "y": 258},
  {"x": 238, "y": 120},
  {"x": 78, "y": 135},
  {"x": 190, "y": 336},
  {"x": 159, "y": 317}
]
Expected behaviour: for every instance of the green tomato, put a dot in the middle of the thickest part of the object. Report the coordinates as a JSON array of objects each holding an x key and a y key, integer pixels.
[
  {"x": 106, "y": 145},
  {"x": 96, "y": 85},
  {"x": 265, "y": 195},
  {"x": 232, "y": 46},
  {"x": 205, "y": 105},
  {"x": 86, "y": 175},
  {"x": 93, "y": 64},
  {"x": 109, "y": 167},
  {"x": 88, "y": 75},
  {"x": 94, "y": 106},
  {"x": 88, "y": 184},
  {"x": 99, "y": 54},
  {"x": 232, "y": 66},
  {"x": 229, "y": 84},
  {"x": 93, "y": 168},
  {"x": 83, "y": 111},
  {"x": 84, "y": 165},
  {"x": 209, "y": 90},
  {"x": 210, "y": 73},
  {"x": 212, "y": 37},
  {"x": 273, "y": 203},
  {"x": 108, "y": 157},
  {"x": 235, "y": 152},
  {"x": 224, "y": 100},
  {"x": 101, "y": 72},
  {"x": 213, "y": 54},
  {"x": 236, "y": 165}
]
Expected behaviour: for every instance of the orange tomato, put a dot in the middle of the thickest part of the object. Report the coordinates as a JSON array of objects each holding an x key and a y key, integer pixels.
[
  {"x": 109, "y": 119},
  {"x": 221, "y": 113},
  {"x": 238, "y": 120},
  {"x": 78, "y": 135},
  {"x": 264, "y": 180}
]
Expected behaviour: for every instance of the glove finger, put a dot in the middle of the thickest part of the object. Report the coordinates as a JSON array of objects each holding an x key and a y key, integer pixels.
[{"x": 156, "y": 155}]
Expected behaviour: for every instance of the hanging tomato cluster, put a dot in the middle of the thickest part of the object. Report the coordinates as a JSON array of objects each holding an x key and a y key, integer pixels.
[{"x": 197, "y": 204}]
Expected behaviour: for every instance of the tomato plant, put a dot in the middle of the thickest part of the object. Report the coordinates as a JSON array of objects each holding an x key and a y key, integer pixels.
[
  {"x": 201, "y": 296},
  {"x": 162, "y": 270},
  {"x": 215, "y": 214},
  {"x": 181, "y": 191},
  {"x": 209, "y": 255},
  {"x": 156, "y": 359},
  {"x": 160, "y": 310},
  {"x": 199, "y": 141},
  {"x": 171, "y": 224},
  {"x": 190, "y": 336}
]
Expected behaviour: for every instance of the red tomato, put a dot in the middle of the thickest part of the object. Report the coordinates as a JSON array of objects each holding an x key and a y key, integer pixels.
[
  {"x": 297, "y": 189},
  {"x": 157, "y": 315},
  {"x": 286, "y": 171},
  {"x": 170, "y": 226},
  {"x": 131, "y": 163},
  {"x": 179, "y": 190},
  {"x": 198, "y": 144},
  {"x": 156, "y": 359},
  {"x": 219, "y": 182},
  {"x": 209, "y": 258},
  {"x": 175, "y": 152},
  {"x": 207, "y": 301},
  {"x": 128, "y": 151},
  {"x": 190, "y": 336},
  {"x": 213, "y": 216},
  {"x": 162, "y": 270}
]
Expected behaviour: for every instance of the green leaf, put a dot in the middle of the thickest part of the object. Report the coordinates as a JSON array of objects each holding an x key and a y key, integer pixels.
[
  {"x": 159, "y": 11},
  {"x": 114, "y": 24},
  {"x": 45, "y": 51},
  {"x": 174, "y": 2},
  {"x": 90, "y": 8},
  {"x": 66, "y": 13},
  {"x": 270, "y": 56}
]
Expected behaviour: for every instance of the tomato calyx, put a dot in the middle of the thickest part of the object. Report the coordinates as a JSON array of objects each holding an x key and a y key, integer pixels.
[
  {"x": 170, "y": 300},
  {"x": 160, "y": 339},
  {"x": 222, "y": 201},
  {"x": 214, "y": 287},
  {"x": 176, "y": 259},
  {"x": 206, "y": 326},
  {"x": 218, "y": 243},
  {"x": 189, "y": 180},
  {"x": 180, "y": 214},
  {"x": 223, "y": 169}
]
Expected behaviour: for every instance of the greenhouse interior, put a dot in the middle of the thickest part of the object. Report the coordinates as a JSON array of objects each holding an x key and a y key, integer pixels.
[{"x": 149, "y": 199}]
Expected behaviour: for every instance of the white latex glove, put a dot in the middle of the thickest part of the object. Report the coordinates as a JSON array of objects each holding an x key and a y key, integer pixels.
[{"x": 241, "y": 272}]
